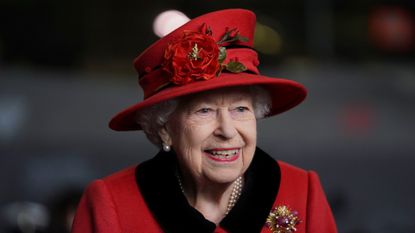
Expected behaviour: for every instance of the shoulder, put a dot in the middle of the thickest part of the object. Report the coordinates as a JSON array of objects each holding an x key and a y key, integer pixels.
[
  {"x": 297, "y": 174},
  {"x": 121, "y": 185},
  {"x": 116, "y": 184},
  {"x": 294, "y": 181},
  {"x": 286, "y": 167},
  {"x": 289, "y": 175},
  {"x": 122, "y": 177},
  {"x": 114, "y": 204},
  {"x": 119, "y": 180},
  {"x": 99, "y": 205},
  {"x": 296, "y": 178}
]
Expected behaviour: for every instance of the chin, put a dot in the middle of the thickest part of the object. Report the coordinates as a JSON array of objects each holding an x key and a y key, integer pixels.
[{"x": 223, "y": 176}]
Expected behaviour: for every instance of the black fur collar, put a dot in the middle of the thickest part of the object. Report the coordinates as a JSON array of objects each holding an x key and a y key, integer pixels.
[{"x": 158, "y": 184}]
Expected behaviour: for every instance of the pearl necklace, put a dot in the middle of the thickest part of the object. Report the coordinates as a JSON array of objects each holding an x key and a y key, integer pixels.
[{"x": 236, "y": 192}]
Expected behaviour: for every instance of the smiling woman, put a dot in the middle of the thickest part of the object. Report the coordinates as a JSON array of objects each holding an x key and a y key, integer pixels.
[
  {"x": 214, "y": 136},
  {"x": 203, "y": 94}
]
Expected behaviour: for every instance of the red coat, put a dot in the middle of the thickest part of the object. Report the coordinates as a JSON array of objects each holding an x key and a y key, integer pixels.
[{"x": 116, "y": 204}]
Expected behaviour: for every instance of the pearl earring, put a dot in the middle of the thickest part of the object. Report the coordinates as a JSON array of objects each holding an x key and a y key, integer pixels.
[{"x": 166, "y": 147}]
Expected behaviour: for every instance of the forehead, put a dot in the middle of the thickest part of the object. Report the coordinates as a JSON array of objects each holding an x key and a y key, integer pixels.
[{"x": 222, "y": 95}]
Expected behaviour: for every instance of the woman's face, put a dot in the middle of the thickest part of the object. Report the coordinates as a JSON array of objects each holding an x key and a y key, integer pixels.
[{"x": 214, "y": 134}]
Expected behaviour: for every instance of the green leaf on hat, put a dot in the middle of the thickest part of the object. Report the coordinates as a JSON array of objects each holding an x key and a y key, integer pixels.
[
  {"x": 229, "y": 38},
  {"x": 243, "y": 38},
  {"x": 226, "y": 37},
  {"x": 222, "y": 54},
  {"x": 235, "y": 67}
]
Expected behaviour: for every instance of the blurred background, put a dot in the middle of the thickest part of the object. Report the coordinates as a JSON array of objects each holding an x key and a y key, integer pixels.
[{"x": 66, "y": 68}]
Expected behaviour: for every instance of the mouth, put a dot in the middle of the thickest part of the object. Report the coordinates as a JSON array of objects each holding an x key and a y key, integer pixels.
[{"x": 223, "y": 154}]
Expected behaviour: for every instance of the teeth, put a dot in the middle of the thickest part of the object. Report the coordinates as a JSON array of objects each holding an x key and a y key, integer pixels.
[{"x": 224, "y": 152}]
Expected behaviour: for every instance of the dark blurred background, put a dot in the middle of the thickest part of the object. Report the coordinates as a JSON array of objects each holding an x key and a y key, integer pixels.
[{"x": 66, "y": 68}]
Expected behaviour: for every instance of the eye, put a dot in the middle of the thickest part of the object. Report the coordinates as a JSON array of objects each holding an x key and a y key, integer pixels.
[
  {"x": 242, "y": 112},
  {"x": 242, "y": 109},
  {"x": 204, "y": 110}
]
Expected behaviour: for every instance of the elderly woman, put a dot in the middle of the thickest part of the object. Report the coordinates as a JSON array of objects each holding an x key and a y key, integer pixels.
[{"x": 203, "y": 95}]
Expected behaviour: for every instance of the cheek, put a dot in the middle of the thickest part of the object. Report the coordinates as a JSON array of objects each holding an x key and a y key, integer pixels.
[
  {"x": 249, "y": 132},
  {"x": 188, "y": 143},
  {"x": 189, "y": 136},
  {"x": 249, "y": 135}
]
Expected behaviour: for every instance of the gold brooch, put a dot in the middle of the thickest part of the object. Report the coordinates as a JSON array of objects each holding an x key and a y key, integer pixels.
[{"x": 283, "y": 220}]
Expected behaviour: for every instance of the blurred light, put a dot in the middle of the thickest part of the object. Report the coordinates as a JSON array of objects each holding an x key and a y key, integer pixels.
[
  {"x": 13, "y": 111},
  {"x": 168, "y": 21},
  {"x": 357, "y": 119},
  {"x": 25, "y": 216},
  {"x": 267, "y": 40},
  {"x": 392, "y": 28}
]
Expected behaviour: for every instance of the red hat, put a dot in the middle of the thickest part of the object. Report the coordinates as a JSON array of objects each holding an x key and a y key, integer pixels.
[{"x": 209, "y": 52}]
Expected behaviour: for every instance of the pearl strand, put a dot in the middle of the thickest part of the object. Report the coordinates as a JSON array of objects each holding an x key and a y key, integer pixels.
[{"x": 236, "y": 192}]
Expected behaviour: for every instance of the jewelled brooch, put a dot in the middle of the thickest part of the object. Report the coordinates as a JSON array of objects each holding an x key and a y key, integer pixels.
[{"x": 283, "y": 220}]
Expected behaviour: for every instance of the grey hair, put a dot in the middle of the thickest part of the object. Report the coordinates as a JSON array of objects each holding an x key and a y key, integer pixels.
[
  {"x": 261, "y": 100},
  {"x": 152, "y": 119}
]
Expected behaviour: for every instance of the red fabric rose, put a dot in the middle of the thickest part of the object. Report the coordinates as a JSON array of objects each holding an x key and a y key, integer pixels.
[{"x": 193, "y": 57}]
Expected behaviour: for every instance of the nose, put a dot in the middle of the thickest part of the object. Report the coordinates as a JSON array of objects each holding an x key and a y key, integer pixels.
[{"x": 225, "y": 125}]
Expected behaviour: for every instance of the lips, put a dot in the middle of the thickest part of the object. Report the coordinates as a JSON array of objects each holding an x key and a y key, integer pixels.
[{"x": 223, "y": 154}]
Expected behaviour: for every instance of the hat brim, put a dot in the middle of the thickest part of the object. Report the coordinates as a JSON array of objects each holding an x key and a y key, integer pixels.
[{"x": 285, "y": 94}]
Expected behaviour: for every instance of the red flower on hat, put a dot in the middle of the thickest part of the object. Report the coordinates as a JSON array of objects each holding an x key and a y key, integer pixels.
[
  {"x": 193, "y": 57},
  {"x": 197, "y": 56}
]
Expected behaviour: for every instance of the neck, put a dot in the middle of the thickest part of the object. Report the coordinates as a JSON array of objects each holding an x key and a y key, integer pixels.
[{"x": 213, "y": 200}]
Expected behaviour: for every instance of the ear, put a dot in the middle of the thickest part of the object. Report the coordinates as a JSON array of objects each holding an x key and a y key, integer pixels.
[{"x": 165, "y": 135}]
